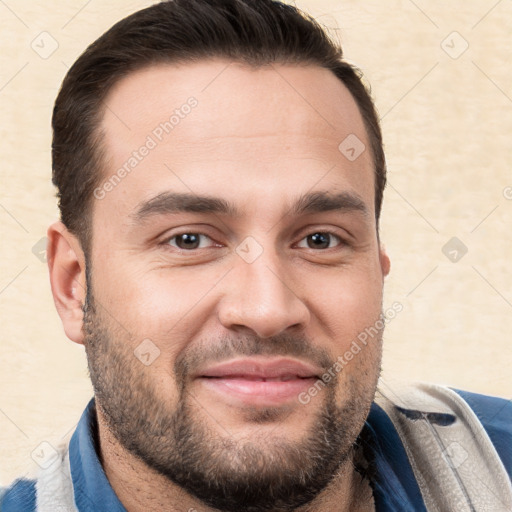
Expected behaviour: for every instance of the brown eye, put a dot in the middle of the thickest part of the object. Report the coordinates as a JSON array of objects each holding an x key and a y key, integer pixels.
[
  {"x": 320, "y": 240},
  {"x": 187, "y": 241}
]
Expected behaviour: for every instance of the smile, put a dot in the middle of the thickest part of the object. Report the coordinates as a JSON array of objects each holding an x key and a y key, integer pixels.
[{"x": 259, "y": 381}]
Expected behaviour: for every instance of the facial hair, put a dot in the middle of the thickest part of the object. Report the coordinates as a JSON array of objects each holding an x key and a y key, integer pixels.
[{"x": 262, "y": 474}]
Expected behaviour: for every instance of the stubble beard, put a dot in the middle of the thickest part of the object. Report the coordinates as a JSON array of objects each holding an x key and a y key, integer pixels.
[{"x": 181, "y": 442}]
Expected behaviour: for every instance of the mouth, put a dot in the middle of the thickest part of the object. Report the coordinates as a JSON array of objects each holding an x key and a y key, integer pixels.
[{"x": 259, "y": 381}]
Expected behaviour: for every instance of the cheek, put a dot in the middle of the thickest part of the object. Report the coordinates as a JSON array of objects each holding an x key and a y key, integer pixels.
[
  {"x": 158, "y": 305},
  {"x": 347, "y": 306},
  {"x": 148, "y": 297}
]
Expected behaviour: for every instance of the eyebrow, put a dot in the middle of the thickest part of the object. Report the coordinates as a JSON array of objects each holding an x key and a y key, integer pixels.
[
  {"x": 317, "y": 202},
  {"x": 313, "y": 202},
  {"x": 173, "y": 202}
]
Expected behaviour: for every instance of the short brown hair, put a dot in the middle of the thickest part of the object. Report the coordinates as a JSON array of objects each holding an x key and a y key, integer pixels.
[{"x": 257, "y": 32}]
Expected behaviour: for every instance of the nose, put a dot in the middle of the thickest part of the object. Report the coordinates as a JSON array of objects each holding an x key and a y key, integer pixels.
[{"x": 261, "y": 297}]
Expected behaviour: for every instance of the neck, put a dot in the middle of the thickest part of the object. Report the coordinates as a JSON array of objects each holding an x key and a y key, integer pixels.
[{"x": 142, "y": 489}]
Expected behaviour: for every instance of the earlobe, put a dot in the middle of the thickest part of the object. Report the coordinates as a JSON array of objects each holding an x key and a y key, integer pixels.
[
  {"x": 66, "y": 265},
  {"x": 385, "y": 262}
]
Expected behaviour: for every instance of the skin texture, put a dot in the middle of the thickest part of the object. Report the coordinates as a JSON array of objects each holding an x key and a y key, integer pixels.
[{"x": 260, "y": 139}]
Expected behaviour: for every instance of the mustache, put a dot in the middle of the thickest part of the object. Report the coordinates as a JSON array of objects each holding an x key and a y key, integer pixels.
[{"x": 226, "y": 348}]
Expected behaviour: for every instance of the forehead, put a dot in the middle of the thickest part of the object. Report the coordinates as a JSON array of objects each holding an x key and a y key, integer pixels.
[{"x": 210, "y": 123}]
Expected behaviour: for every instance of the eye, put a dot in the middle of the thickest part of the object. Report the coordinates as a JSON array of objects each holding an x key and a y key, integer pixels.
[
  {"x": 320, "y": 240},
  {"x": 188, "y": 241}
]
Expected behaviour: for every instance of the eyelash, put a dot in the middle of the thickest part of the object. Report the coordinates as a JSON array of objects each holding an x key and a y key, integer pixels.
[{"x": 341, "y": 240}]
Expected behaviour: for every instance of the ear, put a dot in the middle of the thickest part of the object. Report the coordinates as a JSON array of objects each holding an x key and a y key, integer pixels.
[
  {"x": 66, "y": 264},
  {"x": 385, "y": 263}
]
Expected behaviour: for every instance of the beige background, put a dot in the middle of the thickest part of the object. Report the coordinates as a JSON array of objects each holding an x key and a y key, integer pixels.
[{"x": 447, "y": 121}]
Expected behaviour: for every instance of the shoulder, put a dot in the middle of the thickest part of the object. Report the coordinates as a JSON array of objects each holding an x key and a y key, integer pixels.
[
  {"x": 20, "y": 496},
  {"x": 48, "y": 488},
  {"x": 495, "y": 415},
  {"x": 459, "y": 444},
  {"x": 484, "y": 422}
]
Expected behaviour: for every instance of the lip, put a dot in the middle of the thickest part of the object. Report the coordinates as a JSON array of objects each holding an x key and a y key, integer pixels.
[{"x": 258, "y": 380}]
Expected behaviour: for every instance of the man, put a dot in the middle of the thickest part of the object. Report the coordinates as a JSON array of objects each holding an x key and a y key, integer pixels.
[{"x": 234, "y": 333}]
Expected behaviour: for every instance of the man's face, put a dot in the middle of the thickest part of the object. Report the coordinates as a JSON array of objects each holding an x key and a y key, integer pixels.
[{"x": 211, "y": 316}]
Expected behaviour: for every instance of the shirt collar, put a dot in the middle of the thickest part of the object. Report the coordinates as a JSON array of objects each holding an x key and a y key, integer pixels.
[
  {"x": 395, "y": 488},
  {"x": 91, "y": 486}
]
